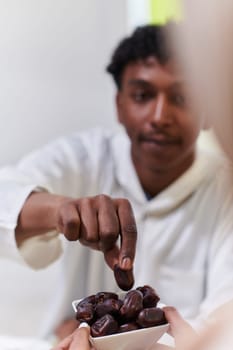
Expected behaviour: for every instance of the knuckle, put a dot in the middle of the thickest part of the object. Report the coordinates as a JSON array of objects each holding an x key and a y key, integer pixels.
[
  {"x": 62, "y": 210},
  {"x": 124, "y": 202},
  {"x": 109, "y": 234},
  {"x": 130, "y": 229},
  {"x": 84, "y": 201},
  {"x": 72, "y": 223},
  {"x": 89, "y": 237},
  {"x": 70, "y": 238},
  {"x": 71, "y": 229},
  {"x": 89, "y": 241},
  {"x": 92, "y": 239},
  {"x": 67, "y": 203},
  {"x": 107, "y": 243},
  {"x": 102, "y": 198}
]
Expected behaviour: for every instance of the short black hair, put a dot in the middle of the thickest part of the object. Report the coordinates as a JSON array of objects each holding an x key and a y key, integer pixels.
[{"x": 145, "y": 41}]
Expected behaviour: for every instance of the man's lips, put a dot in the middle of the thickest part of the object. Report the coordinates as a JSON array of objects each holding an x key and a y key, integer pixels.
[{"x": 160, "y": 140}]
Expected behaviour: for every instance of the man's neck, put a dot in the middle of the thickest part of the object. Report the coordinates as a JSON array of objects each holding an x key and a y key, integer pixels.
[{"x": 154, "y": 181}]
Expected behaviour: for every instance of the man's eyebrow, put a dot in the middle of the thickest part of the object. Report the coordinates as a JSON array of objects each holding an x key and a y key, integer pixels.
[
  {"x": 137, "y": 82},
  {"x": 178, "y": 84}
]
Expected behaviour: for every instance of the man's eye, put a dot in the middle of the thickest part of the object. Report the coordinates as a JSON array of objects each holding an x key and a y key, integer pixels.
[
  {"x": 141, "y": 96},
  {"x": 178, "y": 100}
]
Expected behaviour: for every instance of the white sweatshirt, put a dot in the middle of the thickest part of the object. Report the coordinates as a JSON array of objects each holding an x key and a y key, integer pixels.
[{"x": 185, "y": 234}]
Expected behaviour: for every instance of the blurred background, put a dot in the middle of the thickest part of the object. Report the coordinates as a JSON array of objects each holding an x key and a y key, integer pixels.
[{"x": 53, "y": 55}]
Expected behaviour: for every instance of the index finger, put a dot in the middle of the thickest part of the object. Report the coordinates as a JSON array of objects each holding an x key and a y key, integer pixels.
[{"x": 128, "y": 231}]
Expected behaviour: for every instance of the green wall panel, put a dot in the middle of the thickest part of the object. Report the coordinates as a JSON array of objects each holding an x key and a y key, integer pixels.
[{"x": 163, "y": 10}]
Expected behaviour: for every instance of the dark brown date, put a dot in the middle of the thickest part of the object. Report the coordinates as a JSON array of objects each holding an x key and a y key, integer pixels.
[
  {"x": 150, "y": 297},
  {"x": 102, "y": 296},
  {"x": 108, "y": 306},
  {"x": 127, "y": 327},
  {"x": 124, "y": 279},
  {"x": 85, "y": 312},
  {"x": 132, "y": 304},
  {"x": 107, "y": 314},
  {"x": 88, "y": 300},
  {"x": 105, "y": 325},
  {"x": 151, "y": 317}
]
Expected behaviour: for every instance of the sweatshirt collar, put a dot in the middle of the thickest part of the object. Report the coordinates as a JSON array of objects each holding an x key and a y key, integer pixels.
[{"x": 174, "y": 194}]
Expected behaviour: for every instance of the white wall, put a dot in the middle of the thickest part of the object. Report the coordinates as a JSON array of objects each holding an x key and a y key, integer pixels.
[
  {"x": 52, "y": 59},
  {"x": 138, "y": 13}
]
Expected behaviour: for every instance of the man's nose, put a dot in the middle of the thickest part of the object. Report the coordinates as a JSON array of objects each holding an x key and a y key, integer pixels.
[{"x": 160, "y": 113}]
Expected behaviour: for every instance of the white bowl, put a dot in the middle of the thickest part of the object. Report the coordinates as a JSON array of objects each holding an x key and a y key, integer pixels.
[{"x": 140, "y": 339}]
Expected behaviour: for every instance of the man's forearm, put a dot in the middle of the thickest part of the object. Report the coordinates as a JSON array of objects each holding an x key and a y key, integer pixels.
[{"x": 38, "y": 215}]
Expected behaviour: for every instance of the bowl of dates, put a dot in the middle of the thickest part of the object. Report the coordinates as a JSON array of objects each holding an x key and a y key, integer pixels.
[{"x": 127, "y": 321}]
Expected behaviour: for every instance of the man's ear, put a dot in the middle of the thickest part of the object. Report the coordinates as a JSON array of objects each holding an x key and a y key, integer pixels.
[{"x": 119, "y": 106}]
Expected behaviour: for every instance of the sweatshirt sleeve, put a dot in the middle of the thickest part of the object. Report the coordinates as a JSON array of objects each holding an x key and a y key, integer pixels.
[
  {"x": 68, "y": 166},
  {"x": 14, "y": 190},
  {"x": 51, "y": 169}
]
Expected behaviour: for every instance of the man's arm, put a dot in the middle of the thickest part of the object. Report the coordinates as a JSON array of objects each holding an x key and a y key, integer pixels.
[
  {"x": 97, "y": 222},
  {"x": 48, "y": 191}
]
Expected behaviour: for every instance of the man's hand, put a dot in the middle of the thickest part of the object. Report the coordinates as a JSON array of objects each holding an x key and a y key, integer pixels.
[{"x": 97, "y": 222}]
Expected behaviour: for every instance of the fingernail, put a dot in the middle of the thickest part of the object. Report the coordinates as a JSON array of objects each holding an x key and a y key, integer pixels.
[
  {"x": 126, "y": 263},
  {"x": 83, "y": 324}
]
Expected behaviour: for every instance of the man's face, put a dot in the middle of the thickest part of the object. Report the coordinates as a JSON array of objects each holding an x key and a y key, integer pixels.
[{"x": 154, "y": 109}]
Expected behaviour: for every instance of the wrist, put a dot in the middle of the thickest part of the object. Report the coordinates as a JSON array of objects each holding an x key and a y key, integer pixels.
[{"x": 53, "y": 210}]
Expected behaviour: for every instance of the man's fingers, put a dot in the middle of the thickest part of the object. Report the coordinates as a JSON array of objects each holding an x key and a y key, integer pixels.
[
  {"x": 109, "y": 226},
  {"x": 112, "y": 256},
  {"x": 98, "y": 222},
  {"x": 89, "y": 230},
  {"x": 128, "y": 234},
  {"x": 69, "y": 222}
]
